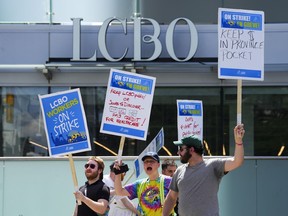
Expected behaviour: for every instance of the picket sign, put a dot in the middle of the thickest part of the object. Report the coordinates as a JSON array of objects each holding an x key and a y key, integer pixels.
[{"x": 235, "y": 61}]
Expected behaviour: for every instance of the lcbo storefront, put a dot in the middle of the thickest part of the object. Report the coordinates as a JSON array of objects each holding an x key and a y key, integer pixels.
[{"x": 39, "y": 59}]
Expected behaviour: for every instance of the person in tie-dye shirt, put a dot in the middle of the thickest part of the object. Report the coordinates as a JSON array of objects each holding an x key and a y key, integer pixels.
[{"x": 150, "y": 191}]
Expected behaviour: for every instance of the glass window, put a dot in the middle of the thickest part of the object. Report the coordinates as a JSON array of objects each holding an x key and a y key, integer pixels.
[
  {"x": 269, "y": 109},
  {"x": 22, "y": 129},
  {"x": 264, "y": 113},
  {"x": 201, "y": 12}
]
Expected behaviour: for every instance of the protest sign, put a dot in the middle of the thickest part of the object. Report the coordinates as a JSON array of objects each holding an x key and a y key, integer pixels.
[
  {"x": 65, "y": 122},
  {"x": 190, "y": 118},
  {"x": 240, "y": 48},
  {"x": 128, "y": 104},
  {"x": 65, "y": 126},
  {"x": 154, "y": 146},
  {"x": 240, "y": 44}
]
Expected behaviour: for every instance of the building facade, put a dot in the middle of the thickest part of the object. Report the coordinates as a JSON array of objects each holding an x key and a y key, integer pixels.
[
  {"x": 45, "y": 47},
  {"x": 44, "y": 58}
]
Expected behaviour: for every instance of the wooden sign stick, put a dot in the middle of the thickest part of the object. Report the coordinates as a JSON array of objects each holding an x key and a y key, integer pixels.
[
  {"x": 121, "y": 146},
  {"x": 239, "y": 101},
  {"x": 74, "y": 177}
]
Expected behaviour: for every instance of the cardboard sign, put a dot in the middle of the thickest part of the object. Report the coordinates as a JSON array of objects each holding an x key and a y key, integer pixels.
[
  {"x": 128, "y": 104},
  {"x": 65, "y": 122},
  {"x": 189, "y": 118},
  {"x": 240, "y": 44}
]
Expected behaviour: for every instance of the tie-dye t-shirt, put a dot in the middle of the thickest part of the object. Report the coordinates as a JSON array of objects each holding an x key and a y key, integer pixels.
[{"x": 149, "y": 200}]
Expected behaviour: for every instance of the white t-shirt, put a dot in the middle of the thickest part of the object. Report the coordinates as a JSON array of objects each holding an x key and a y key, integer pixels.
[{"x": 117, "y": 207}]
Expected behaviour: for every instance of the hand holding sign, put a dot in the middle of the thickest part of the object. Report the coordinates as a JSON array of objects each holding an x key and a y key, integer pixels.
[{"x": 65, "y": 125}]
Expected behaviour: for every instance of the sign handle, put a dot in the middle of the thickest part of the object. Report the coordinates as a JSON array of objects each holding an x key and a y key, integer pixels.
[
  {"x": 74, "y": 175},
  {"x": 121, "y": 146},
  {"x": 106, "y": 148},
  {"x": 239, "y": 101},
  {"x": 167, "y": 150}
]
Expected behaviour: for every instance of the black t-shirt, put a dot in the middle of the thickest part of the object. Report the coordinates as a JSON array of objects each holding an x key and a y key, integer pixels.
[{"x": 95, "y": 191}]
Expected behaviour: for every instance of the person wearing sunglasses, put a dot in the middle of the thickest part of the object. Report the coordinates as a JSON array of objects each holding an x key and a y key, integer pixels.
[
  {"x": 196, "y": 182},
  {"x": 94, "y": 195},
  {"x": 150, "y": 191}
]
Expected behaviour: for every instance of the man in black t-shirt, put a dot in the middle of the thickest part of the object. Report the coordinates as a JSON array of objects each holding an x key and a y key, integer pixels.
[{"x": 94, "y": 195}]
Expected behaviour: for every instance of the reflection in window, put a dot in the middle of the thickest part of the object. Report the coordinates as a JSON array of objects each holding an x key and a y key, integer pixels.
[
  {"x": 23, "y": 131},
  {"x": 264, "y": 113}
]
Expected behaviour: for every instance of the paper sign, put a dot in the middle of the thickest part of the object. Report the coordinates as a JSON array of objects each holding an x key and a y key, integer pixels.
[
  {"x": 65, "y": 122},
  {"x": 240, "y": 44},
  {"x": 190, "y": 118},
  {"x": 155, "y": 145},
  {"x": 128, "y": 104}
]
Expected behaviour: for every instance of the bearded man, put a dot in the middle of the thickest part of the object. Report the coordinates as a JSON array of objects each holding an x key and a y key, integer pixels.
[
  {"x": 94, "y": 195},
  {"x": 196, "y": 183}
]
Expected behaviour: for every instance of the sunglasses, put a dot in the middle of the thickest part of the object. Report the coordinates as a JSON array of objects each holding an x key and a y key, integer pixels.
[{"x": 92, "y": 166}]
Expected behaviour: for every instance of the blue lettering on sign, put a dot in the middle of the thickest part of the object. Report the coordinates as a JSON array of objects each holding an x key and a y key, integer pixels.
[
  {"x": 189, "y": 109},
  {"x": 124, "y": 130},
  {"x": 130, "y": 82},
  {"x": 231, "y": 72},
  {"x": 241, "y": 20}
]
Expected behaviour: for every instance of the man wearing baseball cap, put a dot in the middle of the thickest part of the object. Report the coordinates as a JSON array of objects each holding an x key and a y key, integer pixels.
[
  {"x": 150, "y": 191},
  {"x": 196, "y": 182}
]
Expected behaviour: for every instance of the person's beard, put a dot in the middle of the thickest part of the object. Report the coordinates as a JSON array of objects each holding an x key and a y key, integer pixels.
[
  {"x": 92, "y": 175},
  {"x": 185, "y": 158}
]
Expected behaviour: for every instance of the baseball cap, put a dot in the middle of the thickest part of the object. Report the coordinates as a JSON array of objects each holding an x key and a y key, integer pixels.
[
  {"x": 153, "y": 155},
  {"x": 192, "y": 140}
]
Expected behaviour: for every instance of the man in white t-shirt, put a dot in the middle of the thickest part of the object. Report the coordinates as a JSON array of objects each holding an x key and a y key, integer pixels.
[{"x": 119, "y": 205}]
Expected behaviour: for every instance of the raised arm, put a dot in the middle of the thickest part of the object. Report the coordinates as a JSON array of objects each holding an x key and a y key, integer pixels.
[
  {"x": 238, "y": 158},
  {"x": 119, "y": 190}
]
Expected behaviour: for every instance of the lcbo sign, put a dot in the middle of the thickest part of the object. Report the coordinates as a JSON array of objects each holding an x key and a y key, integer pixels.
[{"x": 138, "y": 40}]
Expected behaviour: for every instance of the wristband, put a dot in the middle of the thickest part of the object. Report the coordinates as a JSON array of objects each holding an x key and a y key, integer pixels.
[{"x": 239, "y": 144}]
